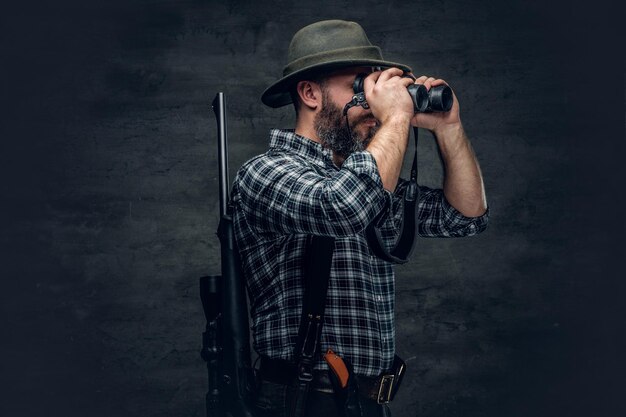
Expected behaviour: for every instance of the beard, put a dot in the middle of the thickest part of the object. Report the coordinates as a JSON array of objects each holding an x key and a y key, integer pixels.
[{"x": 330, "y": 126}]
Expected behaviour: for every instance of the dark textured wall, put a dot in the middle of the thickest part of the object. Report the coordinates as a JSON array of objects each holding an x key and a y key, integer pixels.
[{"x": 109, "y": 200}]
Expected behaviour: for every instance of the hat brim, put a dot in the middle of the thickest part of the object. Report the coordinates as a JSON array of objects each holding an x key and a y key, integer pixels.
[{"x": 277, "y": 94}]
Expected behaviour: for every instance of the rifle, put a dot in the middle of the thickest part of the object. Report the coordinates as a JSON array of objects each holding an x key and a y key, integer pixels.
[{"x": 226, "y": 340}]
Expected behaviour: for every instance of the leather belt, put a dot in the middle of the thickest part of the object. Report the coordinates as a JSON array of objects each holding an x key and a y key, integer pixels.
[{"x": 278, "y": 371}]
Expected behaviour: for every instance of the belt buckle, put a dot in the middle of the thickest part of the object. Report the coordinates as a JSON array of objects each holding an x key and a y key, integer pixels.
[{"x": 385, "y": 389}]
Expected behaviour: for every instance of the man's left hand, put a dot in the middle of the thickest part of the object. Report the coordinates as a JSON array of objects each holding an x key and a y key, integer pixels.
[{"x": 437, "y": 122}]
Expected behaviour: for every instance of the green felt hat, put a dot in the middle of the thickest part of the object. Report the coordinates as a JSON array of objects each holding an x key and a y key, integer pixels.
[{"x": 325, "y": 46}]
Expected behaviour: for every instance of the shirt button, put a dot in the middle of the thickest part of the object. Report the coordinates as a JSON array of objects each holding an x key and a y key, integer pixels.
[{"x": 379, "y": 298}]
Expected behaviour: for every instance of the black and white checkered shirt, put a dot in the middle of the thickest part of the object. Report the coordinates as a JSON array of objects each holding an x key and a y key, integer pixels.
[{"x": 294, "y": 190}]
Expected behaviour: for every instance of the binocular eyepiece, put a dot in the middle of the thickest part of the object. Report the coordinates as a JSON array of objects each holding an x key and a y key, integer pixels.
[{"x": 437, "y": 99}]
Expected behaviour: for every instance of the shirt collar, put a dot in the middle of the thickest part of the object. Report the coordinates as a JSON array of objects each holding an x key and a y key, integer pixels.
[{"x": 288, "y": 140}]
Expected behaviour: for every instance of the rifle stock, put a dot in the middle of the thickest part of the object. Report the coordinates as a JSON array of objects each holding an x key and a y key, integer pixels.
[{"x": 231, "y": 371}]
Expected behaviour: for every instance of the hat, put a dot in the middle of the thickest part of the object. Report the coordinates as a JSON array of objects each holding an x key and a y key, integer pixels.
[{"x": 327, "y": 45}]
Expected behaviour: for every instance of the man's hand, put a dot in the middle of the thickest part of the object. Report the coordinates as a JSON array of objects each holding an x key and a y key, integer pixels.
[
  {"x": 387, "y": 95},
  {"x": 436, "y": 122},
  {"x": 391, "y": 104}
]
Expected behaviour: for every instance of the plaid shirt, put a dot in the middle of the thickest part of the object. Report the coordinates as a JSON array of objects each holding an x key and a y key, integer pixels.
[{"x": 295, "y": 190}]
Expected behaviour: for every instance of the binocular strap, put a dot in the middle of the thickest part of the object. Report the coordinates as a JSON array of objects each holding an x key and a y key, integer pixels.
[{"x": 404, "y": 245}]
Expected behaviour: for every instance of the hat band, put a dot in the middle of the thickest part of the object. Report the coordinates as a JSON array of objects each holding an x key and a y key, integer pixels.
[{"x": 357, "y": 53}]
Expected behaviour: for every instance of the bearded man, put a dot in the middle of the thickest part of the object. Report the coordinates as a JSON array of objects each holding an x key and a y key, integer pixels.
[{"x": 333, "y": 175}]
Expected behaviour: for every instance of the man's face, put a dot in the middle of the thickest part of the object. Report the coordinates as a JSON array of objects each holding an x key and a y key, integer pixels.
[{"x": 330, "y": 123}]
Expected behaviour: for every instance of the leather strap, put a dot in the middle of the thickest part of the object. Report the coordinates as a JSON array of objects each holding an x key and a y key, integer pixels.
[
  {"x": 403, "y": 247},
  {"x": 316, "y": 276}
]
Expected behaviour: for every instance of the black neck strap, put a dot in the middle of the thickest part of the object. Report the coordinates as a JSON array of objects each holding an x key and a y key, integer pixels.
[{"x": 401, "y": 250}]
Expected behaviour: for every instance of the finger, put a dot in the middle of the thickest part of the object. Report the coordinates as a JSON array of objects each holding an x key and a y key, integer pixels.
[
  {"x": 370, "y": 80},
  {"x": 374, "y": 75},
  {"x": 438, "y": 81},
  {"x": 421, "y": 79},
  {"x": 406, "y": 81},
  {"x": 429, "y": 82},
  {"x": 389, "y": 73}
]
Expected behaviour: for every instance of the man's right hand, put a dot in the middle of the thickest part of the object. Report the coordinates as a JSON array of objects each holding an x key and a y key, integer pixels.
[
  {"x": 390, "y": 103},
  {"x": 387, "y": 95}
]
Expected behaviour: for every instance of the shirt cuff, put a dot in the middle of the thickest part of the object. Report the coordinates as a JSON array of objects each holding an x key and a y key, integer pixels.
[{"x": 467, "y": 226}]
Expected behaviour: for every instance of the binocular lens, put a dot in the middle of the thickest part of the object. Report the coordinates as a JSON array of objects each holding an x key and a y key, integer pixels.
[
  {"x": 358, "y": 83},
  {"x": 440, "y": 98},
  {"x": 419, "y": 95}
]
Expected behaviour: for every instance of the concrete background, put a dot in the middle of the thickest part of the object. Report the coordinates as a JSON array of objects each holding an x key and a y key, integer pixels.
[{"x": 109, "y": 200}]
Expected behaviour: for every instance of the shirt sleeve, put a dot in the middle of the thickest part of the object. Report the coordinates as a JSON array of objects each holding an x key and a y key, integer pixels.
[
  {"x": 282, "y": 193},
  {"x": 437, "y": 217}
]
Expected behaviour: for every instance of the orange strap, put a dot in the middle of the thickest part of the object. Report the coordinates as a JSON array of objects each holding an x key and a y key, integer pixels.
[{"x": 337, "y": 365}]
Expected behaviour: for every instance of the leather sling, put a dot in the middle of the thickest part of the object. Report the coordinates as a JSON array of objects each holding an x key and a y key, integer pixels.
[{"x": 316, "y": 277}]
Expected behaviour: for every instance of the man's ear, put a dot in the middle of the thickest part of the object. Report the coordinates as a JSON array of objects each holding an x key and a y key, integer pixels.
[{"x": 310, "y": 94}]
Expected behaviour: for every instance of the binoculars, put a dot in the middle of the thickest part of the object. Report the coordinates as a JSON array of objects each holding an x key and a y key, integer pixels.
[{"x": 437, "y": 99}]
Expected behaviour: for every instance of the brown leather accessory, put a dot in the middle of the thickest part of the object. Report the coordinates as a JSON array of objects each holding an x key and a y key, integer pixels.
[{"x": 337, "y": 365}]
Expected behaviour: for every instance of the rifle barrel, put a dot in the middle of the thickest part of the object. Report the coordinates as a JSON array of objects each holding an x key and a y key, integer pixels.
[{"x": 219, "y": 107}]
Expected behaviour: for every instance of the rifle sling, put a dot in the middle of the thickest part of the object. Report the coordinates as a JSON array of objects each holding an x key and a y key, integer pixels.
[{"x": 316, "y": 277}]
